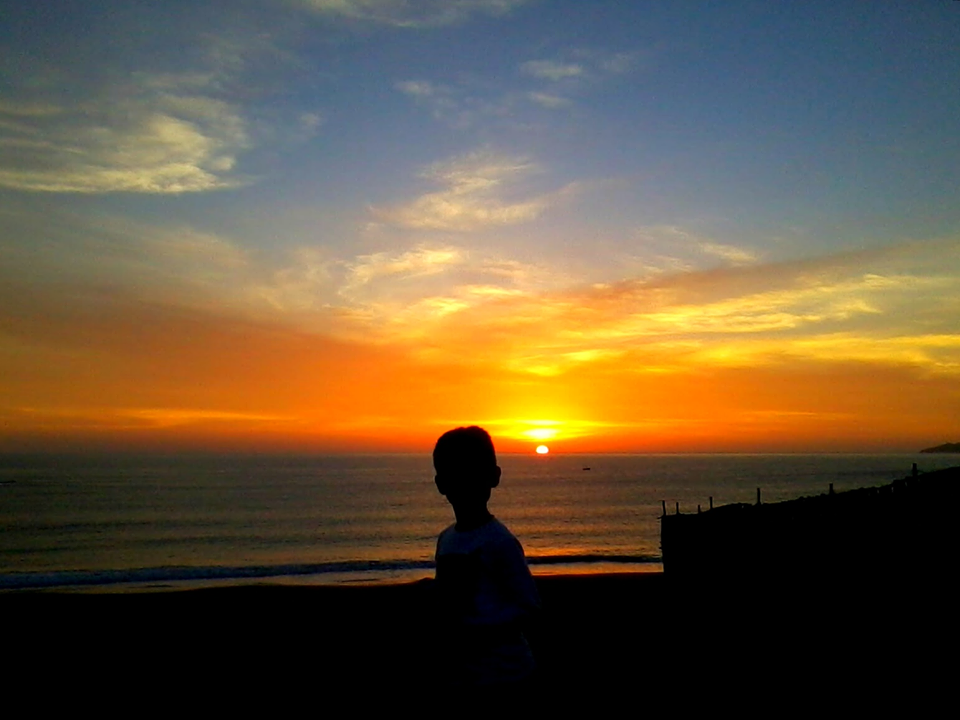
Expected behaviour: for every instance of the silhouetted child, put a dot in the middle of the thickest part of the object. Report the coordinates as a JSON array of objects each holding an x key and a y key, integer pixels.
[{"x": 485, "y": 589}]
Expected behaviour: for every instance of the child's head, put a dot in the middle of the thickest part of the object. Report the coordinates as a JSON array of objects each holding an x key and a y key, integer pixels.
[{"x": 466, "y": 465}]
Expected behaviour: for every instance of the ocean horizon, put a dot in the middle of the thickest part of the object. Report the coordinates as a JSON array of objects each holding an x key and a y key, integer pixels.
[{"x": 135, "y": 521}]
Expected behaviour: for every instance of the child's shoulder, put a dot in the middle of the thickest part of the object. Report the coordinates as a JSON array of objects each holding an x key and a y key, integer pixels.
[
  {"x": 447, "y": 532},
  {"x": 491, "y": 533},
  {"x": 497, "y": 530}
]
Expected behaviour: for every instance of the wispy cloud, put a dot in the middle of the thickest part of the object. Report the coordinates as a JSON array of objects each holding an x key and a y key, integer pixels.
[
  {"x": 165, "y": 144},
  {"x": 618, "y": 63},
  {"x": 399, "y": 296},
  {"x": 473, "y": 195},
  {"x": 547, "y": 100},
  {"x": 552, "y": 70},
  {"x": 153, "y": 129},
  {"x": 447, "y": 104},
  {"x": 413, "y": 264},
  {"x": 732, "y": 254},
  {"x": 418, "y": 14},
  {"x": 306, "y": 284},
  {"x": 461, "y": 106},
  {"x": 417, "y": 88},
  {"x": 581, "y": 63},
  {"x": 669, "y": 248},
  {"x": 555, "y": 84},
  {"x": 895, "y": 305},
  {"x": 570, "y": 73},
  {"x": 109, "y": 259}
]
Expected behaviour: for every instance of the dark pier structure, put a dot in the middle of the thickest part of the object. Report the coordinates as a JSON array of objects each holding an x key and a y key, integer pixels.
[{"x": 908, "y": 528}]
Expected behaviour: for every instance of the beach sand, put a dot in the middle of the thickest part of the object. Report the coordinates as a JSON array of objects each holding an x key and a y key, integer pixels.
[{"x": 638, "y": 635}]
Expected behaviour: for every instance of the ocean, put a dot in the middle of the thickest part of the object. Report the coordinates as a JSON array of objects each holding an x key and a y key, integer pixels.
[{"x": 164, "y": 522}]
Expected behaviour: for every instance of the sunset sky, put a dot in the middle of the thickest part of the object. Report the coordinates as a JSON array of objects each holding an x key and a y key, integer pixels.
[{"x": 341, "y": 225}]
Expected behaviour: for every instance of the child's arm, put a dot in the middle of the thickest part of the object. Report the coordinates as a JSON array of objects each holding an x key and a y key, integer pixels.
[{"x": 520, "y": 591}]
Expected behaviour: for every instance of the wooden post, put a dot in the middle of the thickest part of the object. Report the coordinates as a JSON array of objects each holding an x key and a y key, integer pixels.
[
  {"x": 678, "y": 508},
  {"x": 758, "y": 496},
  {"x": 831, "y": 488},
  {"x": 711, "y": 502},
  {"x": 698, "y": 508},
  {"x": 663, "y": 504}
]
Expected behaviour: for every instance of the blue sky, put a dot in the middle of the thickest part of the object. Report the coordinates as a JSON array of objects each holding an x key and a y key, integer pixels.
[{"x": 755, "y": 182}]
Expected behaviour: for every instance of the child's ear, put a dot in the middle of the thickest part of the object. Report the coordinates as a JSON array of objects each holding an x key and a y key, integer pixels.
[{"x": 495, "y": 479}]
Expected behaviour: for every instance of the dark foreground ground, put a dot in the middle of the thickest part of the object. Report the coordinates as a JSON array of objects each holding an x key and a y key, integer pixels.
[{"x": 640, "y": 639}]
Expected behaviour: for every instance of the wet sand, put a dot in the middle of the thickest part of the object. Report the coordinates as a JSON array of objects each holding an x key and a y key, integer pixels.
[{"x": 658, "y": 641}]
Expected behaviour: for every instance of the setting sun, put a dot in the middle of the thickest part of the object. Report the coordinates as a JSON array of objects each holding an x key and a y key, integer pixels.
[{"x": 542, "y": 449}]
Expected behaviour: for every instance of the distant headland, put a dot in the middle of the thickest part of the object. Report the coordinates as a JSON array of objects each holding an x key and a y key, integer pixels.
[{"x": 945, "y": 448}]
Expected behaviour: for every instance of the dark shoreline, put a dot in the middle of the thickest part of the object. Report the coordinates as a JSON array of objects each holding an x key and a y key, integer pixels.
[{"x": 596, "y": 631}]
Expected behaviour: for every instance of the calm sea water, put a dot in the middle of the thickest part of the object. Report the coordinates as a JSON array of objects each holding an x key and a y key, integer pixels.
[{"x": 173, "y": 521}]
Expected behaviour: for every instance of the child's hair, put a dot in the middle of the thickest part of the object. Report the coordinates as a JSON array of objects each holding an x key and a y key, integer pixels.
[{"x": 464, "y": 450}]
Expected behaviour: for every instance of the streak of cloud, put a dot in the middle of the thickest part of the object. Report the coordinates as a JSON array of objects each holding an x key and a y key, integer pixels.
[
  {"x": 547, "y": 100},
  {"x": 552, "y": 70},
  {"x": 417, "y": 88},
  {"x": 420, "y": 14},
  {"x": 411, "y": 265},
  {"x": 671, "y": 248},
  {"x": 472, "y": 196}
]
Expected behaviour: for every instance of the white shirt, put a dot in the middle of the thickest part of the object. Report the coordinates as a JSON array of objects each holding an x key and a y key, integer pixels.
[{"x": 486, "y": 591}]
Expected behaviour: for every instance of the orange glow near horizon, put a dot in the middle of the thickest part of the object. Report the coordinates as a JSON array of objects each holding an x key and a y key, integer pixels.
[
  {"x": 124, "y": 374},
  {"x": 542, "y": 450}
]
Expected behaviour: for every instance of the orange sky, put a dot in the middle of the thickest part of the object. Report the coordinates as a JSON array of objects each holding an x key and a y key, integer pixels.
[
  {"x": 88, "y": 367},
  {"x": 353, "y": 225}
]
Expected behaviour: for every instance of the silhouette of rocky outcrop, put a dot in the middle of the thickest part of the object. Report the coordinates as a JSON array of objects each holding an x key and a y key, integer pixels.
[{"x": 945, "y": 448}]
